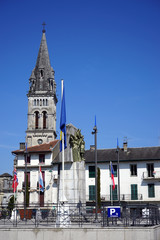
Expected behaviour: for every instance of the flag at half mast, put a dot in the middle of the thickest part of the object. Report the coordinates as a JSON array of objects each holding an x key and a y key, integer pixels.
[{"x": 63, "y": 120}]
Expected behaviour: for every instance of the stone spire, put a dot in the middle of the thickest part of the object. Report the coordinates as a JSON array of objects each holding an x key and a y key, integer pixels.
[
  {"x": 42, "y": 99},
  {"x": 42, "y": 77}
]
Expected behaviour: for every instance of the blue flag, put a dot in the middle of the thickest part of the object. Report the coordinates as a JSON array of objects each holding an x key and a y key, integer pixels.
[
  {"x": 95, "y": 121},
  {"x": 63, "y": 121}
]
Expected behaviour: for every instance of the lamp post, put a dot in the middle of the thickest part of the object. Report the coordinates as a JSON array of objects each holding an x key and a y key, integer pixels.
[
  {"x": 25, "y": 199},
  {"x": 95, "y": 140}
]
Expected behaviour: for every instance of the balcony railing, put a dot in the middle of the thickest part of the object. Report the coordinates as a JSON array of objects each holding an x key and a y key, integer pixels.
[
  {"x": 151, "y": 175},
  {"x": 123, "y": 197}
]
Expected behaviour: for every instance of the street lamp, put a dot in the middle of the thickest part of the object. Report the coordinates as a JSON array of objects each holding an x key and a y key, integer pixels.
[{"x": 95, "y": 140}]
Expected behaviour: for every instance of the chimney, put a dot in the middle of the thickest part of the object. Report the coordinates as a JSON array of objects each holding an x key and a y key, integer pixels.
[
  {"x": 22, "y": 146},
  {"x": 125, "y": 143},
  {"x": 92, "y": 147}
]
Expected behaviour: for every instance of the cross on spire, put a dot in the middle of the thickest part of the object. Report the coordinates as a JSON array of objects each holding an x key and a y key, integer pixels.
[{"x": 44, "y": 24}]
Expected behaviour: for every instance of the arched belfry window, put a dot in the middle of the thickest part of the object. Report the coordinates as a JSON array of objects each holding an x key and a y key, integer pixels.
[
  {"x": 36, "y": 119},
  {"x": 41, "y": 73},
  {"x": 44, "y": 120}
]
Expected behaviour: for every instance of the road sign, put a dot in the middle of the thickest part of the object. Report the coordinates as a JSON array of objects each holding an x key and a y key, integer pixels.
[{"x": 114, "y": 211}]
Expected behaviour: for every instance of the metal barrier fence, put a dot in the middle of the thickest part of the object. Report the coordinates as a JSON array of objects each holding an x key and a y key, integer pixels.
[{"x": 79, "y": 215}]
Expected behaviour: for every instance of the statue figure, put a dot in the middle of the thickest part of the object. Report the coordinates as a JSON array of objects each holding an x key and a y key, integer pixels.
[{"x": 78, "y": 146}]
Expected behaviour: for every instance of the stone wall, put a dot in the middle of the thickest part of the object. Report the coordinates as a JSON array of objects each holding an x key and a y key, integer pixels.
[{"x": 147, "y": 233}]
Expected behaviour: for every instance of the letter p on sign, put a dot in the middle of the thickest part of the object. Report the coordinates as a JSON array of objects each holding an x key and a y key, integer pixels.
[{"x": 112, "y": 211}]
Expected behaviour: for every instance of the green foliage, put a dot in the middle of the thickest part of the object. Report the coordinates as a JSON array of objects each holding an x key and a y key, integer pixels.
[
  {"x": 11, "y": 204},
  {"x": 98, "y": 188}
]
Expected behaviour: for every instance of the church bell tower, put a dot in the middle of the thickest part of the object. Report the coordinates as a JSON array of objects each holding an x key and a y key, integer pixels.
[{"x": 42, "y": 100}]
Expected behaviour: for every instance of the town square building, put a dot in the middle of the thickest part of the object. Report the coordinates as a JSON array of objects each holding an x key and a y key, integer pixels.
[{"x": 139, "y": 168}]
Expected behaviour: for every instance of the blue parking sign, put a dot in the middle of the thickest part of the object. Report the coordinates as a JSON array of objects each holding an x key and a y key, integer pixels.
[{"x": 114, "y": 211}]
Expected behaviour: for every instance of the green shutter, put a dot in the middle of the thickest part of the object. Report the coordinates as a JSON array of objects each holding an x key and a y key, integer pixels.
[
  {"x": 151, "y": 192},
  {"x": 113, "y": 193},
  {"x": 134, "y": 192},
  {"x": 92, "y": 191},
  {"x": 91, "y": 171}
]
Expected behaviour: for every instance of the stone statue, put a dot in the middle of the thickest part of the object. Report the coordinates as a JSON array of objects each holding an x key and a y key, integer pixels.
[{"x": 78, "y": 146}]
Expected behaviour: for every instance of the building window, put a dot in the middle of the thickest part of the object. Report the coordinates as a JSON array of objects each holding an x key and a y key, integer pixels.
[
  {"x": 41, "y": 73},
  {"x": 46, "y": 102},
  {"x": 151, "y": 192},
  {"x": 92, "y": 191},
  {"x": 150, "y": 169},
  {"x": 28, "y": 159},
  {"x": 41, "y": 158},
  {"x": 36, "y": 119},
  {"x": 34, "y": 102},
  {"x": 133, "y": 169},
  {"x": 134, "y": 192},
  {"x": 91, "y": 171},
  {"x": 113, "y": 193},
  {"x": 115, "y": 170},
  {"x": 44, "y": 119}
]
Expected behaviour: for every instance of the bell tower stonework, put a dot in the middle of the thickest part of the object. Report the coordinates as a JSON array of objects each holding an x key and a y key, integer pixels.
[{"x": 42, "y": 100}]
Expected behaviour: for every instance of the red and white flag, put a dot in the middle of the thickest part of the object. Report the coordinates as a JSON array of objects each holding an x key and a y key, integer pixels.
[
  {"x": 41, "y": 185},
  {"x": 15, "y": 181}
]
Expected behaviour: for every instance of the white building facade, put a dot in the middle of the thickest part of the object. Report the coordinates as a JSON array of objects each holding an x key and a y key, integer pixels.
[
  {"x": 139, "y": 175},
  {"x": 139, "y": 168}
]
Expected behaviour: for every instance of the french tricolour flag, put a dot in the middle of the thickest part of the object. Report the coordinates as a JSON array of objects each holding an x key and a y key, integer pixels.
[
  {"x": 112, "y": 176},
  {"x": 41, "y": 185}
]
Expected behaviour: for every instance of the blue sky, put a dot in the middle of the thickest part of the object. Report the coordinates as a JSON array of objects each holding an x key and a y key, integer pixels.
[{"x": 107, "y": 52}]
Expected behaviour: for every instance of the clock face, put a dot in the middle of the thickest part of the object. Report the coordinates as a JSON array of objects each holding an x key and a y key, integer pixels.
[{"x": 40, "y": 141}]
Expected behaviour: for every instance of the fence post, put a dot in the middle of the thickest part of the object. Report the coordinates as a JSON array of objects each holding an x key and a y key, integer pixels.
[{"x": 103, "y": 216}]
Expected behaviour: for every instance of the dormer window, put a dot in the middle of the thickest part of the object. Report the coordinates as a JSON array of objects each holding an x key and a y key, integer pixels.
[{"x": 41, "y": 158}]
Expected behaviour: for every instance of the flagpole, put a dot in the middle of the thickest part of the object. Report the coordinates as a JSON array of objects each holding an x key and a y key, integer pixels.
[
  {"x": 62, "y": 166},
  {"x": 111, "y": 186},
  {"x": 14, "y": 191},
  {"x": 39, "y": 185},
  {"x": 62, "y": 148},
  {"x": 95, "y": 139},
  {"x": 16, "y": 194},
  {"x": 25, "y": 201}
]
